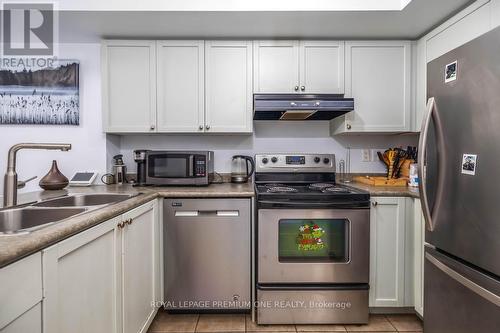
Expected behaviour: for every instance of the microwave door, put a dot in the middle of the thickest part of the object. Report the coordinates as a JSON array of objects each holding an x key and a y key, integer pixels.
[{"x": 170, "y": 166}]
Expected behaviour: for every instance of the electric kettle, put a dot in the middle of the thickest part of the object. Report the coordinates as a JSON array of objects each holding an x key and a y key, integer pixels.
[{"x": 239, "y": 168}]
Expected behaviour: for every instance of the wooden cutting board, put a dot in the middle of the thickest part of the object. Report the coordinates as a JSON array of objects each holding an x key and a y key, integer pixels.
[{"x": 381, "y": 181}]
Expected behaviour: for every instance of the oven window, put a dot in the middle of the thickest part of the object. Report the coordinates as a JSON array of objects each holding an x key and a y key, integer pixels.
[
  {"x": 313, "y": 240},
  {"x": 163, "y": 166}
]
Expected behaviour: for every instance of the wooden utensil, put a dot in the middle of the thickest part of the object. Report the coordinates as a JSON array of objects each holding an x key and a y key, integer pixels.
[{"x": 391, "y": 156}]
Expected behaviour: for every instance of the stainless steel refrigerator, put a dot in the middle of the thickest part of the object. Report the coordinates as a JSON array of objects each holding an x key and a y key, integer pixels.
[{"x": 460, "y": 189}]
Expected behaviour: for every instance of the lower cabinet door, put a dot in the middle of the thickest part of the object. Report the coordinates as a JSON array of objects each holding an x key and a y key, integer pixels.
[
  {"x": 140, "y": 267},
  {"x": 80, "y": 282},
  {"x": 387, "y": 252},
  {"x": 418, "y": 257},
  {"x": 28, "y": 322}
]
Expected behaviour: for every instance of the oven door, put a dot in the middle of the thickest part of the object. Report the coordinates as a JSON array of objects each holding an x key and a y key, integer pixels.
[{"x": 313, "y": 246}]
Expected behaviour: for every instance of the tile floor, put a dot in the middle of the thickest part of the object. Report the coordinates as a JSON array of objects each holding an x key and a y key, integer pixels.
[{"x": 217, "y": 323}]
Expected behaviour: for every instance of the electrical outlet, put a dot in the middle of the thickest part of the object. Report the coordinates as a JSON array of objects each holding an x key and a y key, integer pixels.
[
  {"x": 374, "y": 154},
  {"x": 365, "y": 155}
]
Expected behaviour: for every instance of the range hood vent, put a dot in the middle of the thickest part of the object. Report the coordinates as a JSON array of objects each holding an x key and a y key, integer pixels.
[{"x": 300, "y": 106}]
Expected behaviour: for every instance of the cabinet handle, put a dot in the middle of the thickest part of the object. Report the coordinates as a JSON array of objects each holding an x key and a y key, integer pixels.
[
  {"x": 121, "y": 225},
  {"x": 303, "y": 88},
  {"x": 296, "y": 88},
  {"x": 152, "y": 127},
  {"x": 129, "y": 221},
  {"x": 374, "y": 203},
  {"x": 200, "y": 127},
  {"x": 207, "y": 127},
  {"x": 348, "y": 126}
]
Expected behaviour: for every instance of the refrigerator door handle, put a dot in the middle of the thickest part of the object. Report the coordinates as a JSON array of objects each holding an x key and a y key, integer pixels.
[
  {"x": 422, "y": 145},
  {"x": 484, "y": 293},
  {"x": 421, "y": 165}
]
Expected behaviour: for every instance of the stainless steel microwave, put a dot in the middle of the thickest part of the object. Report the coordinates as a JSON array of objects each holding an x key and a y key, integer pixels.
[{"x": 179, "y": 167}]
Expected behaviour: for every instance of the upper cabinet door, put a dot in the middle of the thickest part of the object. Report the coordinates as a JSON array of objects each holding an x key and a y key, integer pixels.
[
  {"x": 276, "y": 66},
  {"x": 180, "y": 86},
  {"x": 322, "y": 67},
  {"x": 129, "y": 86},
  {"x": 228, "y": 86},
  {"x": 377, "y": 76}
]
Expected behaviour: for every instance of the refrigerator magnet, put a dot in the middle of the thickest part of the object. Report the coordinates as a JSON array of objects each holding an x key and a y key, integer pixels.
[
  {"x": 450, "y": 72},
  {"x": 469, "y": 164}
]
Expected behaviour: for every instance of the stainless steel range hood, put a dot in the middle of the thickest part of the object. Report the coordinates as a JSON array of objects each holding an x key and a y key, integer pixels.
[{"x": 300, "y": 106}]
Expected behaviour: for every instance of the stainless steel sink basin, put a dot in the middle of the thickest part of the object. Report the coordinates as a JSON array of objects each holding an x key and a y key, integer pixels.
[
  {"x": 84, "y": 200},
  {"x": 19, "y": 220}
]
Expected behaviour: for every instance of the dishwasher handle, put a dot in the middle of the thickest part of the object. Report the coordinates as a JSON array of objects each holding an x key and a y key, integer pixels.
[{"x": 202, "y": 213}]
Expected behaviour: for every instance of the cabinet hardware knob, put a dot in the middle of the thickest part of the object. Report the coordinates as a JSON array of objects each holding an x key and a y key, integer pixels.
[
  {"x": 207, "y": 127},
  {"x": 296, "y": 88},
  {"x": 200, "y": 127},
  {"x": 129, "y": 221},
  {"x": 374, "y": 203},
  {"x": 152, "y": 127},
  {"x": 348, "y": 126},
  {"x": 121, "y": 225},
  {"x": 303, "y": 88}
]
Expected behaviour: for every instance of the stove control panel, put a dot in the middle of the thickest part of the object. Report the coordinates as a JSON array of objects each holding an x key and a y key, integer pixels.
[{"x": 295, "y": 162}]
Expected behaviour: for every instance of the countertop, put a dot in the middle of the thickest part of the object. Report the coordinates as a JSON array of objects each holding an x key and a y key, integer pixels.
[
  {"x": 15, "y": 247},
  {"x": 387, "y": 191}
]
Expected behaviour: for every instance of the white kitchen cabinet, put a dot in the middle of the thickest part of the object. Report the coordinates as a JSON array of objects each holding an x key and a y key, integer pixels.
[
  {"x": 321, "y": 67},
  {"x": 28, "y": 322},
  {"x": 20, "y": 295},
  {"x": 418, "y": 256},
  {"x": 476, "y": 19},
  {"x": 420, "y": 84},
  {"x": 387, "y": 252},
  {"x": 82, "y": 291},
  {"x": 228, "y": 87},
  {"x": 470, "y": 23},
  {"x": 495, "y": 13},
  {"x": 105, "y": 279},
  {"x": 181, "y": 85},
  {"x": 299, "y": 67},
  {"x": 276, "y": 66},
  {"x": 140, "y": 269},
  {"x": 377, "y": 76},
  {"x": 129, "y": 85}
]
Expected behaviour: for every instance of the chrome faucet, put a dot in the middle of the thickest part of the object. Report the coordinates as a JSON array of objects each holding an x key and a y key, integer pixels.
[{"x": 11, "y": 184}]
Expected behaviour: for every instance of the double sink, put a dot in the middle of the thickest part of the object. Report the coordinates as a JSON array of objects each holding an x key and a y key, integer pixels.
[{"x": 15, "y": 221}]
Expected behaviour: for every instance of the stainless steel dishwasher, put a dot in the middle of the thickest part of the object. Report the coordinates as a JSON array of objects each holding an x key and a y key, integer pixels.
[{"x": 207, "y": 254}]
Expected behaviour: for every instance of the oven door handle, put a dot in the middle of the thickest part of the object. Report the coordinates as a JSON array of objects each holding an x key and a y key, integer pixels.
[{"x": 301, "y": 204}]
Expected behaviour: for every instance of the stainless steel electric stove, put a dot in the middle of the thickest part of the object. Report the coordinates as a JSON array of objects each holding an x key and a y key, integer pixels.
[{"x": 313, "y": 240}]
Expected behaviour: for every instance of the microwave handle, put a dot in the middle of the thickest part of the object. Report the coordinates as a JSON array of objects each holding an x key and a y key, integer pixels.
[{"x": 191, "y": 166}]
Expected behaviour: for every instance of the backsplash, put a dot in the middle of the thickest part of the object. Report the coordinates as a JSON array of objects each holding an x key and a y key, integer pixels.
[{"x": 307, "y": 137}]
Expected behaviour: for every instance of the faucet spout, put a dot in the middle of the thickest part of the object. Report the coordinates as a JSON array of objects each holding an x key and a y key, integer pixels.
[{"x": 10, "y": 179}]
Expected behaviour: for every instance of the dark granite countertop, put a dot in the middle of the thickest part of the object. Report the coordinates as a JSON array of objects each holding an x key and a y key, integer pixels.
[{"x": 15, "y": 247}]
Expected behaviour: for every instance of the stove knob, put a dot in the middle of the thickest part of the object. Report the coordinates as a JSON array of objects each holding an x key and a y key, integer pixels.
[
  {"x": 265, "y": 160},
  {"x": 317, "y": 159},
  {"x": 326, "y": 160},
  {"x": 274, "y": 159}
]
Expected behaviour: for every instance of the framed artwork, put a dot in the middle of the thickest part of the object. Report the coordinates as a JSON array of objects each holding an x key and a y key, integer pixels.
[{"x": 40, "y": 96}]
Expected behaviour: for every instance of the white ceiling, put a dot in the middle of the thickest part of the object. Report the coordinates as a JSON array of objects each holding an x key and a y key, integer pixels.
[
  {"x": 231, "y": 5},
  {"x": 410, "y": 22}
]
